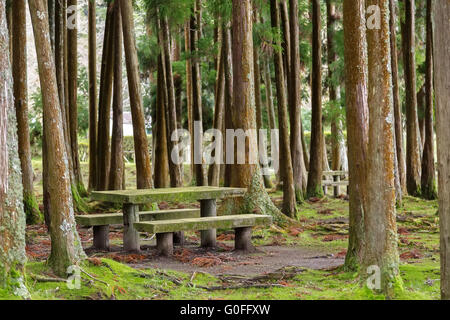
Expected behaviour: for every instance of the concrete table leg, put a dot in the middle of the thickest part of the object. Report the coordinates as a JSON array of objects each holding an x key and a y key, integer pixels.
[
  {"x": 101, "y": 237},
  {"x": 243, "y": 239},
  {"x": 130, "y": 235},
  {"x": 164, "y": 244},
  {"x": 178, "y": 238},
  {"x": 208, "y": 209}
]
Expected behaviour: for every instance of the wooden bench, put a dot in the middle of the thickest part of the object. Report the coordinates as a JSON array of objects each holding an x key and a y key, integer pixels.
[
  {"x": 242, "y": 224},
  {"x": 336, "y": 183},
  {"x": 101, "y": 222}
]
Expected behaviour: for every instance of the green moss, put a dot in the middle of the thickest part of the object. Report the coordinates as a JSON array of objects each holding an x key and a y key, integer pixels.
[
  {"x": 80, "y": 205},
  {"x": 31, "y": 208},
  {"x": 317, "y": 192}
]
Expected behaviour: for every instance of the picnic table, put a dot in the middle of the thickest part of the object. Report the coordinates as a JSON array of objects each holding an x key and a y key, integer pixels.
[{"x": 132, "y": 199}]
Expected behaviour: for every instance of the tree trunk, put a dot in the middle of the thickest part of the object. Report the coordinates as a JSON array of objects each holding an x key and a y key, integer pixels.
[
  {"x": 243, "y": 113},
  {"x": 195, "y": 24},
  {"x": 72, "y": 56},
  {"x": 12, "y": 216},
  {"x": 104, "y": 109},
  {"x": 66, "y": 245},
  {"x": 357, "y": 124},
  {"x": 428, "y": 171},
  {"x": 396, "y": 98},
  {"x": 117, "y": 165},
  {"x": 92, "y": 35},
  {"x": 412, "y": 133},
  {"x": 380, "y": 221},
  {"x": 19, "y": 69},
  {"x": 441, "y": 52},
  {"x": 314, "y": 188},
  {"x": 176, "y": 178},
  {"x": 189, "y": 94},
  {"x": 298, "y": 162},
  {"x": 228, "y": 69},
  {"x": 289, "y": 207},
  {"x": 142, "y": 155}
]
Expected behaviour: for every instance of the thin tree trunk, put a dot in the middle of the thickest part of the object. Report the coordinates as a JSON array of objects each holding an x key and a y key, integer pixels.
[
  {"x": 12, "y": 217},
  {"x": 441, "y": 52},
  {"x": 189, "y": 94},
  {"x": 66, "y": 245},
  {"x": 197, "y": 94},
  {"x": 428, "y": 171},
  {"x": 314, "y": 188},
  {"x": 289, "y": 207},
  {"x": 413, "y": 167},
  {"x": 357, "y": 125},
  {"x": 396, "y": 97},
  {"x": 228, "y": 69},
  {"x": 142, "y": 155},
  {"x": 104, "y": 109},
  {"x": 117, "y": 165},
  {"x": 298, "y": 162},
  {"x": 380, "y": 221},
  {"x": 92, "y": 35},
  {"x": 19, "y": 69}
]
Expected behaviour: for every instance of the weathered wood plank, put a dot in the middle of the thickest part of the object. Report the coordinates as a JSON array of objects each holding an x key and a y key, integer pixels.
[
  {"x": 184, "y": 194},
  {"x": 222, "y": 222}
]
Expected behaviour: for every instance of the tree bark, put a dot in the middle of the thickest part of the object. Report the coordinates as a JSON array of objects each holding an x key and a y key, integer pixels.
[
  {"x": 413, "y": 167},
  {"x": 104, "y": 109},
  {"x": 289, "y": 207},
  {"x": 357, "y": 125},
  {"x": 142, "y": 155},
  {"x": 19, "y": 69},
  {"x": 428, "y": 171},
  {"x": 441, "y": 52},
  {"x": 92, "y": 35},
  {"x": 12, "y": 216},
  {"x": 314, "y": 187},
  {"x": 189, "y": 94},
  {"x": 298, "y": 163},
  {"x": 66, "y": 245},
  {"x": 380, "y": 218},
  {"x": 117, "y": 165},
  {"x": 228, "y": 69},
  {"x": 396, "y": 97}
]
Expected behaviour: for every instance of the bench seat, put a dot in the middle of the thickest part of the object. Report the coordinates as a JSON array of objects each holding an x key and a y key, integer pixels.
[
  {"x": 101, "y": 222},
  {"x": 241, "y": 223}
]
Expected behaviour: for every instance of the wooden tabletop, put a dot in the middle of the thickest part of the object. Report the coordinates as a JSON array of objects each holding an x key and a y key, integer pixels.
[{"x": 183, "y": 194}]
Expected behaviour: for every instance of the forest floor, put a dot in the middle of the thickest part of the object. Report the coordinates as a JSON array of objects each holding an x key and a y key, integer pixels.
[{"x": 302, "y": 262}]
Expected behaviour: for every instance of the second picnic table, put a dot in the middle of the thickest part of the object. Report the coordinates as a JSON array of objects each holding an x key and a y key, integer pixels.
[{"x": 131, "y": 199}]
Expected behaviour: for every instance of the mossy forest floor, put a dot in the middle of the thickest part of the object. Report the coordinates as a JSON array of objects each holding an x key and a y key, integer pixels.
[{"x": 302, "y": 262}]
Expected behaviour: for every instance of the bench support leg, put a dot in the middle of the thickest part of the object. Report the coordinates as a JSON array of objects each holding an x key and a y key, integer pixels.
[
  {"x": 208, "y": 209},
  {"x": 243, "y": 239},
  {"x": 178, "y": 238},
  {"x": 130, "y": 235},
  {"x": 101, "y": 237},
  {"x": 337, "y": 190},
  {"x": 164, "y": 244}
]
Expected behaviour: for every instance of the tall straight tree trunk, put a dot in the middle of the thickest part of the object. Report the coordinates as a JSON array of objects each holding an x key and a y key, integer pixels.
[
  {"x": 72, "y": 57},
  {"x": 117, "y": 165},
  {"x": 66, "y": 247},
  {"x": 441, "y": 52},
  {"x": 428, "y": 171},
  {"x": 334, "y": 89},
  {"x": 396, "y": 97},
  {"x": 176, "y": 178},
  {"x": 413, "y": 167},
  {"x": 189, "y": 97},
  {"x": 12, "y": 217},
  {"x": 289, "y": 207},
  {"x": 92, "y": 35},
  {"x": 298, "y": 162},
  {"x": 161, "y": 176},
  {"x": 357, "y": 124},
  {"x": 314, "y": 187},
  {"x": 104, "y": 109},
  {"x": 19, "y": 69},
  {"x": 380, "y": 218},
  {"x": 195, "y": 25},
  {"x": 228, "y": 69},
  {"x": 142, "y": 155},
  {"x": 51, "y": 21}
]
